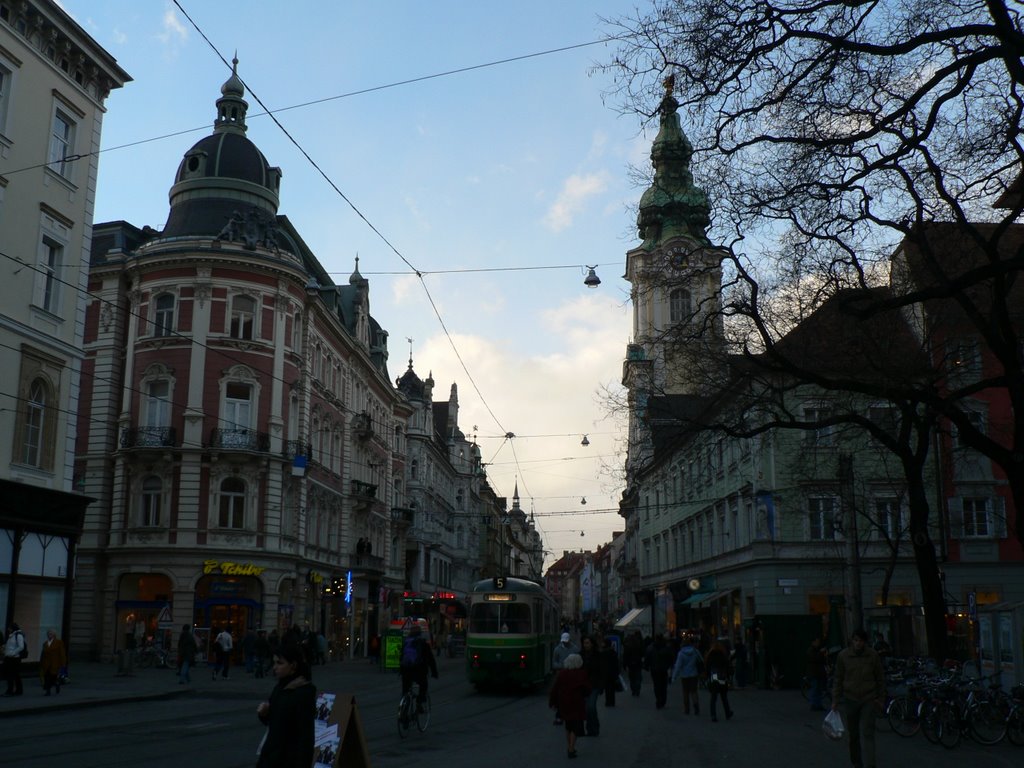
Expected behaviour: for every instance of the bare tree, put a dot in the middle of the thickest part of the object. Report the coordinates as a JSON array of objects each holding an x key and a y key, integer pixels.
[{"x": 830, "y": 136}]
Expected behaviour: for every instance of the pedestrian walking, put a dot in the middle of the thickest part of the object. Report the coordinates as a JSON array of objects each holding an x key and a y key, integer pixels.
[
  {"x": 590, "y": 652},
  {"x": 716, "y": 665},
  {"x": 222, "y": 646},
  {"x": 187, "y": 648},
  {"x": 687, "y": 668},
  {"x": 289, "y": 713},
  {"x": 15, "y": 649},
  {"x": 51, "y": 660},
  {"x": 609, "y": 672},
  {"x": 561, "y": 652},
  {"x": 817, "y": 674},
  {"x": 249, "y": 650},
  {"x": 263, "y": 654},
  {"x": 860, "y": 688},
  {"x": 633, "y": 661},
  {"x": 658, "y": 660},
  {"x": 568, "y": 696}
]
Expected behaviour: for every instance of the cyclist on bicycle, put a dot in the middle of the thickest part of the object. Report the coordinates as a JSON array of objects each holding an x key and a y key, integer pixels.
[{"x": 417, "y": 658}]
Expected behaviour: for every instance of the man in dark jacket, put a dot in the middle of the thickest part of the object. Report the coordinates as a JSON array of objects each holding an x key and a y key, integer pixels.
[{"x": 860, "y": 687}]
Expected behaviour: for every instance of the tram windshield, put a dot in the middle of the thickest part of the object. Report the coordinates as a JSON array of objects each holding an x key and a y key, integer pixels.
[{"x": 495, "y": 618}]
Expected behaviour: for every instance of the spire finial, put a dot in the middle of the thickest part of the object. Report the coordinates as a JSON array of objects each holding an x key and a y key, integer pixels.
[{"x": 410, "y": 351}]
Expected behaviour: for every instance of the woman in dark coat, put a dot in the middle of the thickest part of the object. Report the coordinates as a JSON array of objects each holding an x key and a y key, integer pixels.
[
  {"x": 594, "y": 667},
  {"x": 609, "y": 672},
  {"x": 290, "y": 713},
  {"x": 568, "y": 697},
  {"x": 716, "y": 666}
]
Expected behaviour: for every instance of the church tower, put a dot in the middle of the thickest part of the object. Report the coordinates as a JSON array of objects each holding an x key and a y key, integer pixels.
[{"x": 675, "y": 276}]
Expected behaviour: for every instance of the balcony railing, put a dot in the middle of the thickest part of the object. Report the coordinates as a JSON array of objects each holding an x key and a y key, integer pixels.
[
  {"x": 293, "y": 448},
  {"x": 240, "y": 439},
  {"x": 362, "y": 425},
  {"x": 364, "y": 491},
  {"x": 149, "y": 437}
]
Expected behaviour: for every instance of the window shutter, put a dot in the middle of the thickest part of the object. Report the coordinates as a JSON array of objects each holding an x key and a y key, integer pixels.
[
  {"x": 956, "y": 517},
  {"x": 999, "y": 517}
]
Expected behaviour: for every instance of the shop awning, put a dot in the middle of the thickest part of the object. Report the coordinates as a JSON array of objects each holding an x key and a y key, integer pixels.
[
  {"x": 701, "y": 599},
  {"x": 636, "y": 616}
]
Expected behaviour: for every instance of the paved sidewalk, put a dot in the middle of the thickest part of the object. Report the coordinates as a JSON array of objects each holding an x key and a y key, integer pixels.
[{"x": 97, "y": 683}]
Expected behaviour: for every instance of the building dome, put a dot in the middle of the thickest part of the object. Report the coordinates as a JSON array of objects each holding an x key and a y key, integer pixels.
[{"x": 224, "y": 179}]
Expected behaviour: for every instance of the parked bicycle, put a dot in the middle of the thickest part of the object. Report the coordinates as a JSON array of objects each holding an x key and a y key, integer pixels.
[
  {"x": 1015, "y": 717},
  {"x": 411, "y": 712},
  {"x": 151, "y": 656}
]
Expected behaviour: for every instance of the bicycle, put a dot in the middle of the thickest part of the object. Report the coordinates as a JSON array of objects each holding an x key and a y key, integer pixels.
[
  {"x": 410, "y": 711},
  {"x": 151, "y": 656}
]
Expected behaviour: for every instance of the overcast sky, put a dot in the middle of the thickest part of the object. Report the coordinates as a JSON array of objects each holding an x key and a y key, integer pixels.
[{"x": 507, "y": 167}]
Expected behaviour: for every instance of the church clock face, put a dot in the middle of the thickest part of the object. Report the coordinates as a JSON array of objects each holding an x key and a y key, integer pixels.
[{"x": 678, "y": 258}]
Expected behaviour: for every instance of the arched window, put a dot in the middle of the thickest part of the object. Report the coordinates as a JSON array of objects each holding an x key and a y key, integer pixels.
[
  {"x": 163, "y": 315},
  {"x": 232, "y": 503},
  {"x": 243, "y": 314},
  {"x": 35, "y": 423},
  {"x": 149, "y": 506},
  {"x": 679, "y": 308},
  {"x": 414, "y": 469}
]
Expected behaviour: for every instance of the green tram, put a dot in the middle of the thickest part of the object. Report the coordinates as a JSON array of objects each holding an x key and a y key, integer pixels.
[{"x": 513, "y": 627}]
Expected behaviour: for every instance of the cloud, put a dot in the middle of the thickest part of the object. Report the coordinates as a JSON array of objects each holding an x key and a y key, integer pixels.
[
  {"x": 575, "y": 192},
  {"x": 546, "y": 459},
  {"x": 172, "y": 30}
]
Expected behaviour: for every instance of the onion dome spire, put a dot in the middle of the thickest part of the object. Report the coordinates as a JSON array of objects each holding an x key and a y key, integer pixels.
[
  {"x": 672, "y": 206},
  {"x": 231, "y": 107}
]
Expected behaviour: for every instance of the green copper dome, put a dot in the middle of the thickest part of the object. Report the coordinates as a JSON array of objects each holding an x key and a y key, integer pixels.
[{"x": 672, "y": 206}]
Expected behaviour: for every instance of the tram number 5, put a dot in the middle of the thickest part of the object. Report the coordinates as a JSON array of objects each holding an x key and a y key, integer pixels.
[{"x": 499, "y": 582}]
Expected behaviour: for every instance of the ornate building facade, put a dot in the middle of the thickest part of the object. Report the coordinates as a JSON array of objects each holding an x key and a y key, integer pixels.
[
  {"x": 54, "y": 82},
  {"x": 237, "y": 426}
]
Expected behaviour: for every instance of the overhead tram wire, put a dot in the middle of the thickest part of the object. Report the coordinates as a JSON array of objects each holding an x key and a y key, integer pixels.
[{"x": 314, "y": 102}]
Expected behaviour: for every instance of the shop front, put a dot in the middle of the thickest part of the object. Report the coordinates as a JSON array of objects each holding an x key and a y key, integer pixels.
[
  {"x": 39, "y": 530},
  {"x": 229, "y": 595},
  {"x": 142, "y": 600}
]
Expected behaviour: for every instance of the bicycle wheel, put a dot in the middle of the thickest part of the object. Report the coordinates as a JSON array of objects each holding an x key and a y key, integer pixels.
[
  {"x": 987, "y": 721},
  {"x": 903, "y": 717},
  {"x": 950, "y": 732},
  {"x": 928, "y": 716},
  {"x": 406, "y": 713},
  {"x": 423, "y": 718},
  {"x": 144, "y": 660},
  {"x": 1015, "y": 726}
]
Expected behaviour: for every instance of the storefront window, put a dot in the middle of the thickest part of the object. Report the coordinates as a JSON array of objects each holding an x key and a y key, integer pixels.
[{"x": 140, "y": 599}]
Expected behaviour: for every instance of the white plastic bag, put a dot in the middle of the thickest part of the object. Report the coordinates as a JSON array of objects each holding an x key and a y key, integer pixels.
[{"x": 833, "y": 725}]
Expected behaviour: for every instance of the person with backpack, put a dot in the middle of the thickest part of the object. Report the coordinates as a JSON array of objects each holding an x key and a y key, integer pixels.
[
  {"x": 15, "y": 650},
  {"x": 416, "y": 659}
]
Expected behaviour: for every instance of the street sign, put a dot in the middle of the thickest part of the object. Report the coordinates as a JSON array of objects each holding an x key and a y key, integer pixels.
[
  {"x": 164, "y": 620},
  {"x": 972, "y": 605}
]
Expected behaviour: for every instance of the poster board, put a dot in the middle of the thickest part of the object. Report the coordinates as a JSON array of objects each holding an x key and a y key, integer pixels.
[{"x": 339, "y": 739}]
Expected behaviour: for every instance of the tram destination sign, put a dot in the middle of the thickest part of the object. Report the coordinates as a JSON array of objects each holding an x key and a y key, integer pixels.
[{"x": 500, "y": 597}]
